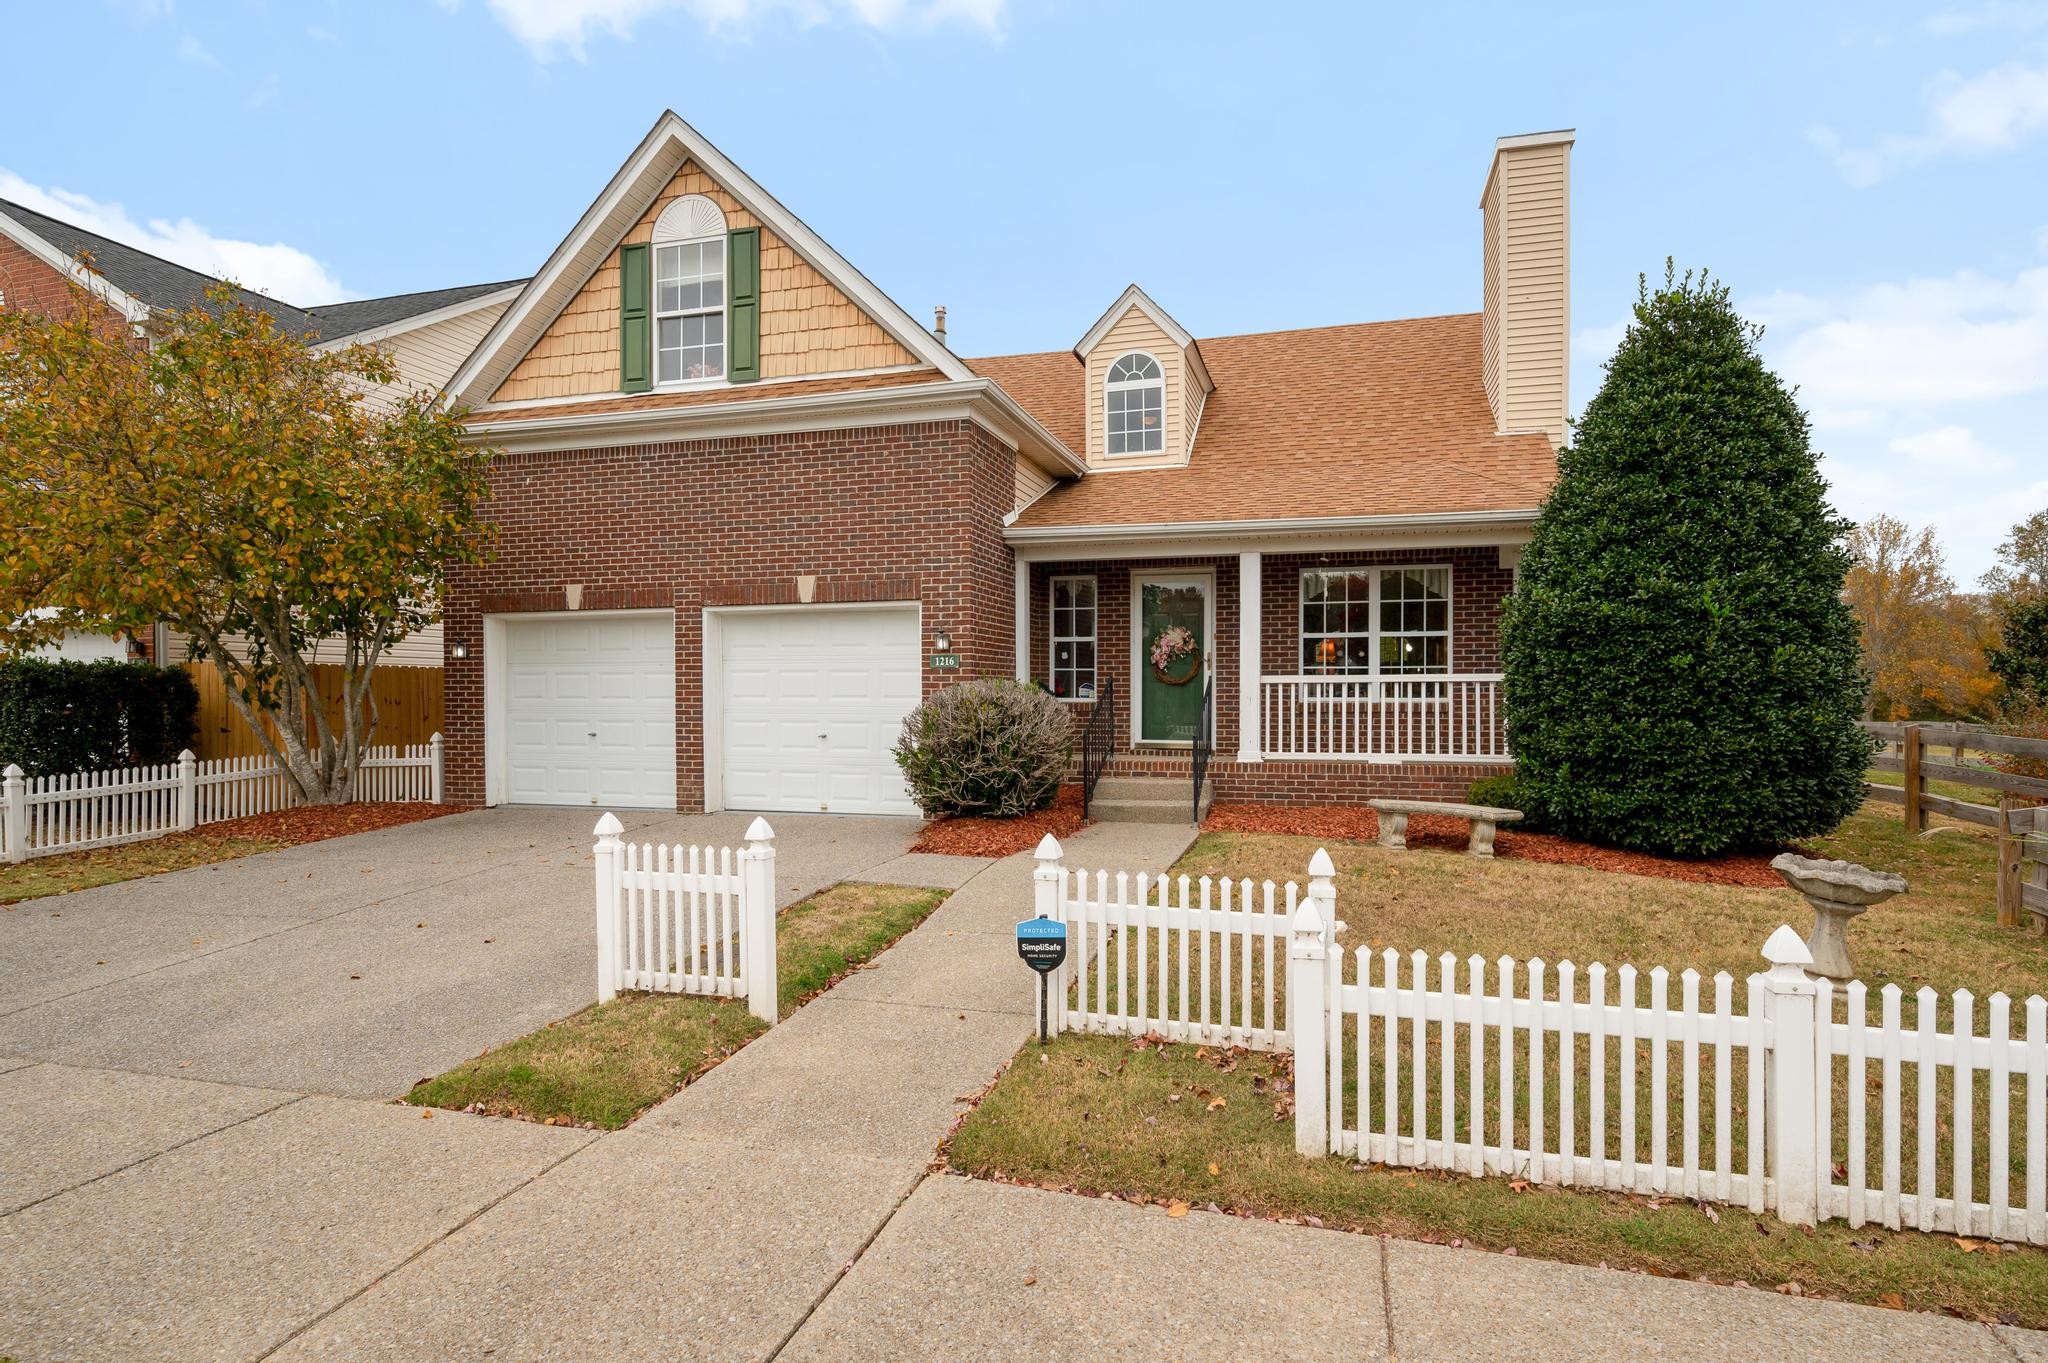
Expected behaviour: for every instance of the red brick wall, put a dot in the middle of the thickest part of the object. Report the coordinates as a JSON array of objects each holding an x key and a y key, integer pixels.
[
  {"x": 900, "y": 513},
  {"x": 28, "y": 282},
  {"x": 1314, "y": 783}
]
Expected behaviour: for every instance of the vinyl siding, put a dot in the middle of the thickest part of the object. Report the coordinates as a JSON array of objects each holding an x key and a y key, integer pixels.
[
  {"x": 1032, "y": 481},
  {"x": 427, "y": 356},
  {"x": 1135, "y": 331},
  {"x": 1536, "y": 276},
  {"x": 1490, "y": 333},
  {"x": 807, "y": 325},
  {"x": 415, "y": 650}
]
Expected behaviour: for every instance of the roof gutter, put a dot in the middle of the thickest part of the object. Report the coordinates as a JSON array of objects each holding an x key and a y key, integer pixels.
[
  {"x": 1506, "y": 518},
  {"x": 980, "y": 399}
]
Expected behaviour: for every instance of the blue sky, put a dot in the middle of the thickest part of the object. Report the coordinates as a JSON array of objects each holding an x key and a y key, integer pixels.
[{"x": 1871, "y": 180}]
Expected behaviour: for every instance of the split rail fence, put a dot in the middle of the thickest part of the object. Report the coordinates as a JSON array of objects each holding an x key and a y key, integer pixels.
[
  {"x": 675, "y": 919},
  {"x": 1912, "y": 751},
  {"x": 78, "y": 811},
  {"x": 1783, "y": 1092}
]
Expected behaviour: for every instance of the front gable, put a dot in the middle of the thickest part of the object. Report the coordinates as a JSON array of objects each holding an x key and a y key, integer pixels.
[
  {"x": 817, "y": 315},
  {"x": 1135, "y": 326}
]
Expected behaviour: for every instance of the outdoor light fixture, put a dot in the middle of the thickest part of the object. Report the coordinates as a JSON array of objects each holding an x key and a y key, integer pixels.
[
  {"x": 943, "y": 642},
  {"x": 459, "y": 651}
]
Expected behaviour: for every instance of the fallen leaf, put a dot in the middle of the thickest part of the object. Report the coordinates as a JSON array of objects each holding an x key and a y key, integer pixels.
[
  {"x": 1519, "y": 1185},
  {"x": 427, "y": 1115},
  {"x": 1217, "y": 1102},
  {"x": 1710, "y": 1213},
  {"x": 1968, "y": 1246},
  {"x": 1213, "y": 1170},
  {"x": 1029, "y": 1278},
  {"x": 1177, "y": 1209},
  {"x": 1892, "y": 1301}
]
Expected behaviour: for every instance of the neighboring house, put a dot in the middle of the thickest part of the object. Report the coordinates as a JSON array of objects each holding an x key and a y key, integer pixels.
[
  {"x": 427, "y": 335},
  {"x": 749, "y": 511}
]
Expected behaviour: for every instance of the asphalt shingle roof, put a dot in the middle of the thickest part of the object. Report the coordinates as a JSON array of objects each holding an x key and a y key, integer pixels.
[{"x": 164, "y": 284}]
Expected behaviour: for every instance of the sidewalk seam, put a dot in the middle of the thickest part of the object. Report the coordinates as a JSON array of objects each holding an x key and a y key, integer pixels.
[
  {"x": 847, "y": 1268},
  {"x": 158, "y": 1154},
  {"x": 1387, "y": 1292},
  {"x": 442, "y": 1238}
]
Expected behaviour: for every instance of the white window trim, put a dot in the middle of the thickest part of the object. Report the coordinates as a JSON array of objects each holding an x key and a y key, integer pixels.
[
  {"x": 1125, "y": 385},
  {"x": 1053, "y": 637},
  {"x": 724, "y": 378},
  {"x": 1374, "y": 634}
]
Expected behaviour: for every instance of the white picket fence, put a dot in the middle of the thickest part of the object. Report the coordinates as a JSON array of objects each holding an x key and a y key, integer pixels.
[
  {"x": 77, "y": 811},
  {"x": 1536, "y": 1072},
  {"x": 674, "y": 919}
]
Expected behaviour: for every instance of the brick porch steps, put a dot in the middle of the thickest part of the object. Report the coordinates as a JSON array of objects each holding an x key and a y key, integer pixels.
[{"x": 1147, "y": 799}]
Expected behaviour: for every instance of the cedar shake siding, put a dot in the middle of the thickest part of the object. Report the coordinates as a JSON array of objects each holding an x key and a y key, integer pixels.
[{"x": 909, "y": 512}]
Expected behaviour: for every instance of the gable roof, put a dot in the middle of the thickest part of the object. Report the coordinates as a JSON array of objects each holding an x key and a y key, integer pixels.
[
  {"x": 1135, "y": 297},
  {"x": 668, "y": 145},
  {"x": 353, "y": 318},
  {"x": 1380, "y": 419},
  {"x": 148, "y": 280}
]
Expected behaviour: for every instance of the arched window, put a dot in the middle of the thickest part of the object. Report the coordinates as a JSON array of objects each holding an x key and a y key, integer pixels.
[
  {"x": 689, "y": 291},
  {"x": 1135, "y": 400}
]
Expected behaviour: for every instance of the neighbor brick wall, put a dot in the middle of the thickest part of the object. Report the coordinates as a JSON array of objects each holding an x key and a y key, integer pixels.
[
  {"x": 28, "y": 282},
  {"x": 909, "y": 512}
]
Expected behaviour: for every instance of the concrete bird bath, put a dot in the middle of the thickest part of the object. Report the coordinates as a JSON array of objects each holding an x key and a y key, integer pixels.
[{"x": 1838, "y": 891}]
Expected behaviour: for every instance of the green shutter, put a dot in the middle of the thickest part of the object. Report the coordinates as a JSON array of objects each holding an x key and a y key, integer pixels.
[
  {"x": 636, "y": 349},
  {"x": 743, "y": 305}
]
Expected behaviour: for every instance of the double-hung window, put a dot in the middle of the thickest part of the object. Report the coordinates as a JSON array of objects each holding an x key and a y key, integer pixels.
[
  {"x": 689, "y": 310},
  {"x": 1389, "y": 625},
  {"x": 1073, "y": 638},
  {"x": 1134, "y": 406}
]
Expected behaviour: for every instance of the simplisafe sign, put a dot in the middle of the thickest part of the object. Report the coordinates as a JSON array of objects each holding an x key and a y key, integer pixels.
[{"x": 1042, "y": 942}]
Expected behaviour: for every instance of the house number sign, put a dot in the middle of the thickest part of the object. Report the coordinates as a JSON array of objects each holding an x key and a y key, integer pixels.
[{"x": 945, "y": 662}]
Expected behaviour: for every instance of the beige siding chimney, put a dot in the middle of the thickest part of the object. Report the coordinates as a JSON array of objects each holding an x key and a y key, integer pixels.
[{"x": 1527, "y": 241}]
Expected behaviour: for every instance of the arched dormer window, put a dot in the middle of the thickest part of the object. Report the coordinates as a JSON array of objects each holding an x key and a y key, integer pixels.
[
  {"x": 1135, "y": 405},
  {"x": 689, "y": 291}
]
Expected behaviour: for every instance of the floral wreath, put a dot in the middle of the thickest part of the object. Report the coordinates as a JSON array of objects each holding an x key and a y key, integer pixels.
[{"x": 1171, "y": 647}]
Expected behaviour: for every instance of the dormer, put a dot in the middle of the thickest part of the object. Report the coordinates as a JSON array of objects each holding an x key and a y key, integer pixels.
[{"x": 1146, "y": 386}]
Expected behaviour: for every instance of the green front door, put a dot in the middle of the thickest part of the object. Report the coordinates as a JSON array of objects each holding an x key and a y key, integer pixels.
[{"x": 1171, "y": 676}]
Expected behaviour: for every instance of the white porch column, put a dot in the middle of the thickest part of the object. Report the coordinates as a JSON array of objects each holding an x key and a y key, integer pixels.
[
  {"x": 1250, "y": 598},
  {"x": 1023, "y": 621}
]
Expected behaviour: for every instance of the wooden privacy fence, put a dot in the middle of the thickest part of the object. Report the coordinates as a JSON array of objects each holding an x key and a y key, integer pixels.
[
  {"x": 1911, "y": 751},
  {"x": 1780, "y": 1092},
  {"x": 687, "y": 920},
  {"x": 408, "y": 708},
  {"x": 78, "y": 811}
]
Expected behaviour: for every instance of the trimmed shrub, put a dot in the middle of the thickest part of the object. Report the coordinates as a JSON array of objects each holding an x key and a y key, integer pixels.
[
  {"x": 59, "y": 715},
  {"x": 1683, "y": 675},
  {"x": 1505, "y": 791},
  {"x": 995, "y": 747}
]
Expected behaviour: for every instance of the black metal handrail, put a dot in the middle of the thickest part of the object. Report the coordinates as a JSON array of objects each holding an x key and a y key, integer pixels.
[
  {"x": 1205, "y": 742},
  {"x": 1098, "y": 740}
]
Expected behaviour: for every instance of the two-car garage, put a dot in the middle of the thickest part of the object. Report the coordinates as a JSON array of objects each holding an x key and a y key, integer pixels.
[{"x": 801, "y": 708}]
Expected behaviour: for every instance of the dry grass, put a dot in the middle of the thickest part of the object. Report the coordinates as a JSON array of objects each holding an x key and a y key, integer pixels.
[
  {"x": 40, "y": 876},
  {"x": 1101, "y": 1117},
  {"x": 606, "y": 1065}
]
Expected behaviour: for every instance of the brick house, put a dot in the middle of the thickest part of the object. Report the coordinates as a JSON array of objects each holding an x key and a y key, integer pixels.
[{"x": 749, "y": 511}]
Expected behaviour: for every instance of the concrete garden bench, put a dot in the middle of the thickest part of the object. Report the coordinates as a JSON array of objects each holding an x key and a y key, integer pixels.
[{"x": 1483, "y": 818}]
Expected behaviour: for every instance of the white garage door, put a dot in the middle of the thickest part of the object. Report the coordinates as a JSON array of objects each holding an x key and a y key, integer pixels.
[
  {"x": 590, "y": 711},
  {"x": 813, "y": 701}
]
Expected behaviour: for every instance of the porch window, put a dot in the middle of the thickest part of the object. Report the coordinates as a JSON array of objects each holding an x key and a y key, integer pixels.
[
  {"x": 1376, "y": 622},
  {"x": 1073, "y": 638},
  {"x": 689, "y": 310},
  {"x": 1135, "y": 400}
]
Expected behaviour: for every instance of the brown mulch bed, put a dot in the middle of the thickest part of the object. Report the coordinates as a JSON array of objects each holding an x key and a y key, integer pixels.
[
  {"x": 1001, "y": 837},
  {"x": 1354, "y": 823},
  {"x": 317, "y": 823}
]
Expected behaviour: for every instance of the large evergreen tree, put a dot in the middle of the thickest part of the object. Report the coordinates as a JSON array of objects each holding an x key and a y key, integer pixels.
[{"x": 1683, "y": 675}]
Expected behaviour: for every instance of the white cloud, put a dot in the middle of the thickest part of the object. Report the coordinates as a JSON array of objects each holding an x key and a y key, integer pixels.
[
  {"x": 1952, "y": 449},
  {"x": 552, "y": 27},
  {"x": 190, "y": 49},
  {"x": 278, "y": 270},
  {"x": 1995, "y": 110}
]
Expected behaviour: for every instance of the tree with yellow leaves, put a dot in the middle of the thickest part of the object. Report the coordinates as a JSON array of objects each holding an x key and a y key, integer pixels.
[
  {"x": 220, "y": 476},
  {"x": 1923, "y": 642}
]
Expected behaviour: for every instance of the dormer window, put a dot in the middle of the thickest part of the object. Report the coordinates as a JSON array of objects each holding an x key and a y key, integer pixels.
[
  {"x": 689, "y": 291},
  {"x": 1135, "y": 405}
]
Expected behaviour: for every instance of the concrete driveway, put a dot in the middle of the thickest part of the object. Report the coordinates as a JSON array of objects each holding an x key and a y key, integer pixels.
[{"x": 357, "y": 966}]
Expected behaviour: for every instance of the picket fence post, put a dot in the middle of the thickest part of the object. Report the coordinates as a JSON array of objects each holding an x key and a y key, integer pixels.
[
  {"x": 607, "y": 856},
  {"x": 188, "y": 791},
  {"x": 434, "y": 778},
  {"x": 757, "y": 920},
  {"x": 1792, "y": 1091},
  {"x": 1308, "y": 1005},
  {"x": 1046, "y": 879},
  {"x": 16, "y": 796}
]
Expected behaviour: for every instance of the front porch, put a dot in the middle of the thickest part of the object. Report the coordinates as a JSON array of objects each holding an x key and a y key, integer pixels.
[{"x": 1329, "y": 676}]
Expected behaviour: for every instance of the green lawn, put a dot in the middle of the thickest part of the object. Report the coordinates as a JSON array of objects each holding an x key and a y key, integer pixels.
[
  {"x": 1099, "y": 1115},
  {"x": 606, "y": 1065}
]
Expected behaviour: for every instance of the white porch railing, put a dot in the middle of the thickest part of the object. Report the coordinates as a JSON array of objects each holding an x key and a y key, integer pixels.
[{"x": 1453, "y": 718}]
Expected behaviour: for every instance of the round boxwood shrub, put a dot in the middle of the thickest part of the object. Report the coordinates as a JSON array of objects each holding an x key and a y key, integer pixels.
[
  {"x": 1683, "y": 676},
  {"x": 995, "y": 747},
  {"x": 1505, "y": 791}
]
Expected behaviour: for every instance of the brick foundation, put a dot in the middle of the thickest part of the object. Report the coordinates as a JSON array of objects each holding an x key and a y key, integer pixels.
[{"x": 1314, "y": 783}]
